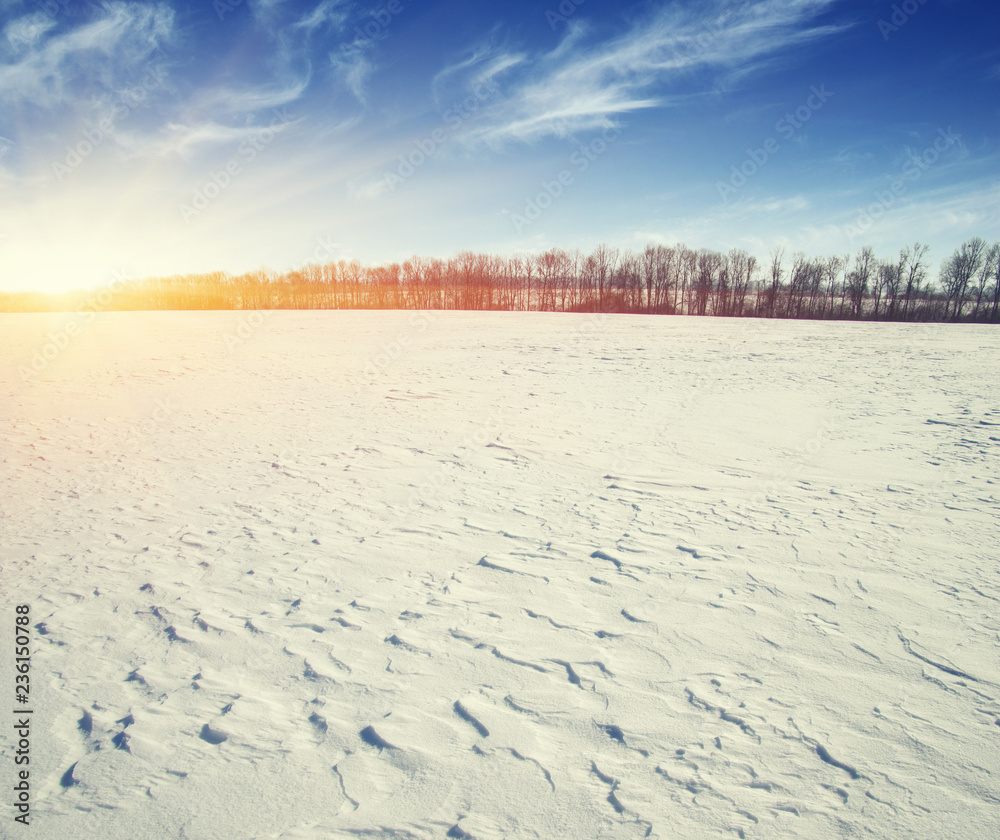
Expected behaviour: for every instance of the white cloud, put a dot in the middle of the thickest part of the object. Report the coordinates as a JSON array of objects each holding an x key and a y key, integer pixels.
[
  {"x": 370, "y": 190},
  {"x": 120, "y": 40},
  {"x": 577, "y": 87},
  {"x": 186, "y": 140},
  {"x": 328, "y": 12},
  {"x": 850, "y": 158},
  {"x": 354, "y": 68},
  {"x": 288, "y": 61},
  {"x": 27, "y": 31},
  {"x": 483, "y": 65},
  {"x": 265, "y": 10},
  {"x": 251, "y": 99},
  {"x": 772, "y": 206}
]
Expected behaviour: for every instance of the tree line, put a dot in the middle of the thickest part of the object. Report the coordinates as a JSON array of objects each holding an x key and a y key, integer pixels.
[{"x": 661, "y": 279}]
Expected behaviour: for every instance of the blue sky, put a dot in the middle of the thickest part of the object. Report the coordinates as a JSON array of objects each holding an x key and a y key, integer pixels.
[{"x": 141, "y": 139}]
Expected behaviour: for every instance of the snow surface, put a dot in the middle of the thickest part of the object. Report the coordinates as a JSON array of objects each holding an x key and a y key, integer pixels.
[{"x": 390, "y": 574}]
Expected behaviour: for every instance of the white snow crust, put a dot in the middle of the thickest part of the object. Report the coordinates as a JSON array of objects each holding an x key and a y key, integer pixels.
[{"x": 304, "y": 575}]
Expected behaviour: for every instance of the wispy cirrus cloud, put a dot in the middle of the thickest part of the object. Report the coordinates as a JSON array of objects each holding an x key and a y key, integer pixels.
[
  {"x": 228, "y": 113},
  {"x": 87, "y": 66},
  {"x": 188, "y": 139},
  {"x": 248, "y": 100},
  {"x": 772, "y": 205},
  {"x": 26, "y": 32},
  {"x": 293, "y": 34},
  {"x": 332, "y": 13},
  {"x": 586, "y": 83},
  {"x": 43, "y": 65},
  {"x": 354, "y": 67},
  {"x": 483, "y": 65},
  {"x": 266, "y": 10}
]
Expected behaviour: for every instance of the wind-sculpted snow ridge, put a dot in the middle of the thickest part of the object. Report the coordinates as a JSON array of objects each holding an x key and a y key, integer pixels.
[{"x": 535, "y": 577}]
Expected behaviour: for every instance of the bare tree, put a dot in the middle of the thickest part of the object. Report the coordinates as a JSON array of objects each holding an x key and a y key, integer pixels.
[
  {"x": 832, "y": 268},
  {"x": 605, "y": 260},
  {"x": 570, "y": 287},
  {"x": 859, "y": 279},
  {"x": 666, "y": 276},
  {"x": 995, "y": 252},
  {"x": 777, "y": 273},
  {"x": 798, "y": 284},
  {"x": 742, "y": 269},
  {"x": 687, "y": 269},
  {"x": 708, "y": 266},
  {"x": 551, "y": 270},
  {"x": 627, "y": 282},
  {"x": 982, "y": 279},
  {"x": 650, "y": 272},
  {"x": 958, "y": 270},
  {"x": 883, "y": 278},
  {"x": 915, "y": 260}
]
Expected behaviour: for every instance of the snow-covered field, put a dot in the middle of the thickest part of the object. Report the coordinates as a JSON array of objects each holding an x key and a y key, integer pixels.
[{"x": 309, "y": 575}]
